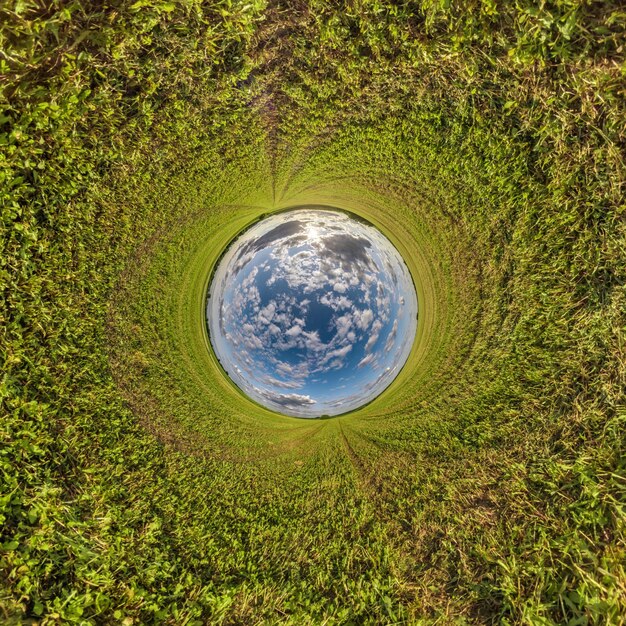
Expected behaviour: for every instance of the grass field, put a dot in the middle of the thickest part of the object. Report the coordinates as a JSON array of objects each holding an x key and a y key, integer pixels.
[{"x": 486, "y": 485}]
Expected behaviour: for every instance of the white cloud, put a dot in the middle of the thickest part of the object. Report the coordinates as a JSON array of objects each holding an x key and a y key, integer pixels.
[
  {"x": 341, "y": 352},
  {"x": 375, "y": 330},
  {"x": 392, "y": 336},
  {"x": 312, "y": 341},
  {"x": 300, "y": 370},
  {"x": 343, "y": 325},
  {"x": 287, "y": 399},
  {"x": 282, "y": 384},
  {"x": 252, "y": 343},
  {"x": 337, "y": 354},
  {"x": 366, "y": 360},
  {"x": 363, "y": 318},
  {"x": 249, "y": 279},
  {"x": 336, "y": 302},
  {"x": 284, "y": 369},
  {"x": 267, "y": 313}
]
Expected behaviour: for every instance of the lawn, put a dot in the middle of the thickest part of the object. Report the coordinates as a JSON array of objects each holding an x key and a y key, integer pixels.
[{"x": 486, "y": 485}]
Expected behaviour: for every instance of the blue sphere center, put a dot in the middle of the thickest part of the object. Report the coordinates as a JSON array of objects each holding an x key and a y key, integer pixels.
[{"x": 312, "y": 312}]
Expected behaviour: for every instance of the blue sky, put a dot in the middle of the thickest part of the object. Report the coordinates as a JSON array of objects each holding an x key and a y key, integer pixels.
[{"x": 312, "y": 312}]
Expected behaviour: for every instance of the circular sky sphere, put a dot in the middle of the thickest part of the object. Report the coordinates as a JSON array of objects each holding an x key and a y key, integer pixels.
[{"x": 312, "y": 312}]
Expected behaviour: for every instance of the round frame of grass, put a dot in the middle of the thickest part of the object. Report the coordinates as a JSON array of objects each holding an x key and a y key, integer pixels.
[
  {"x": 485, "y": 486},
  {"x": 172, "y": 363}
]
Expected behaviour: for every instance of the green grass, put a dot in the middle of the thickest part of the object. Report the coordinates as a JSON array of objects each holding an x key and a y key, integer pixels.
[{"x": 487, "y": 484}]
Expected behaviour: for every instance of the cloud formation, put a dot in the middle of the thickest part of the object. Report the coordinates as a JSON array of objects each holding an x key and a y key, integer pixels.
[{"x": 305, "y": 301}]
